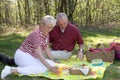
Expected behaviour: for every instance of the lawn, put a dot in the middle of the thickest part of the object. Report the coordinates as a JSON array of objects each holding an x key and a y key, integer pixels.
[{"x": 11, "y": 39}]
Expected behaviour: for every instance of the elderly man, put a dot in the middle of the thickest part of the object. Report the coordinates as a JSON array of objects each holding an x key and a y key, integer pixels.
[{"x": 63, "y": 39}]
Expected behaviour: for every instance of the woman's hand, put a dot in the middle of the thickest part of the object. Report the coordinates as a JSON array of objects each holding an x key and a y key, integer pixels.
[{"x": 55, "y": 70}]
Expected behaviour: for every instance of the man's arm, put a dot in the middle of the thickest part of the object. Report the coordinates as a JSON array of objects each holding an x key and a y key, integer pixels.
[
  {"x": 80, "y": 52},
  {"x": 80, "y": 42},
  {"x": 81, "y": 47}
]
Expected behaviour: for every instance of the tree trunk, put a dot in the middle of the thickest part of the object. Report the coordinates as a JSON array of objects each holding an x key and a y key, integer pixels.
[
  {"x": 87, "y": 13},
  {"x": 27, "y": 13},
  {"x": 61, "y": 6},
  {"x": 1, "y": 18},
  {"x": 19, "y": 12},
  {"x": 46, "y": 4},
  {"x": 7, "y": 14},
  {"x": 56, "y": 6},
  {"x": 72, "y": 6}
]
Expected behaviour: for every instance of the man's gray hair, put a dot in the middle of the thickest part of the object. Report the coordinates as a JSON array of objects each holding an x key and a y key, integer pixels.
[
  {"x": 48, "y": 20},
  {"x": 61, "y": 15}
]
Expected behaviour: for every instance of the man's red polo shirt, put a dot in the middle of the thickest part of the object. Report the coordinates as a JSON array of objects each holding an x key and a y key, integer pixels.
[{"x": 66, "y": 40}]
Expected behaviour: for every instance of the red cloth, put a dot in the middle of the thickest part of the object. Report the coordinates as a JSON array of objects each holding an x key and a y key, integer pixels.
[
  {"x": 115, "y": 46},
  {"x": 99, "y": 50},
  {"x": 66, "y": 40}
]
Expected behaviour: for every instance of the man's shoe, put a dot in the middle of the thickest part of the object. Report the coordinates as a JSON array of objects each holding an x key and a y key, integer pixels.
[{"x": 5, "y": 60}]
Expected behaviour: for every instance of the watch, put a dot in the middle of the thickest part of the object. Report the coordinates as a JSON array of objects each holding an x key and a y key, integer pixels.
[{"x": 81, "y": 49}]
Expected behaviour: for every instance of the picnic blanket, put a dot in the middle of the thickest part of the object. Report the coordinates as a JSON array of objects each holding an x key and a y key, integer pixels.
[{"x": 99, "y": 70}]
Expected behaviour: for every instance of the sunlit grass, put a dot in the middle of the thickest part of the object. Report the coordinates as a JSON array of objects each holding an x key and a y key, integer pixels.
[{"x": 101, "y": 39}]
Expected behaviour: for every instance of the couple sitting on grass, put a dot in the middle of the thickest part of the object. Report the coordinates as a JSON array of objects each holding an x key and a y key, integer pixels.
[{"x": 34, "y": 55}]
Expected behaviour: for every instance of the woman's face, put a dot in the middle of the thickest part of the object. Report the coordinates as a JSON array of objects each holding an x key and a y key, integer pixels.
[{"x": 47, "y": 29}]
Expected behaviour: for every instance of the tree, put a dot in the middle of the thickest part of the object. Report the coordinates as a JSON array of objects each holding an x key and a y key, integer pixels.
[
  {"x": 27, "y": 13},
  {"x": 19, "y": 12},
  {"x": 81, "y": 12}
]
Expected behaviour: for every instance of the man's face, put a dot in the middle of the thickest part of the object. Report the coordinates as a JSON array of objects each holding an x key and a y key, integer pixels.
[{"x": 62, "y": 23}]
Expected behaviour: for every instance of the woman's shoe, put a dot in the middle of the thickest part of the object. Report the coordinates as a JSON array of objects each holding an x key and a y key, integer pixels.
[{"x": 5, "y": 72}]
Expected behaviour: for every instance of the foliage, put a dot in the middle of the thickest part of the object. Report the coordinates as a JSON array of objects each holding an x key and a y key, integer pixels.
[{"x": 82, "y": 12}]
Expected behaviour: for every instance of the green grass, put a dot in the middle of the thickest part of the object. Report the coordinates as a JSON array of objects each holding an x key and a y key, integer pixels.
[
  {"x": 113, "y": 72},
  {"x": 9, "y": 42}
]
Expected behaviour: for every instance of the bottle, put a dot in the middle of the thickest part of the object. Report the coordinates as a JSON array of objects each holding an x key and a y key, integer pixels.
[{"x": 59, "y": 68}]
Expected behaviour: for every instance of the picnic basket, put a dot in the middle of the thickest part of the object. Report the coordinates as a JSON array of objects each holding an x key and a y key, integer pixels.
[{"x": 105, "y": 54}]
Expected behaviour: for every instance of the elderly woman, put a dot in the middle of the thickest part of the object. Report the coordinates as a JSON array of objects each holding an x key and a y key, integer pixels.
[{"x": 30, "y": 55}]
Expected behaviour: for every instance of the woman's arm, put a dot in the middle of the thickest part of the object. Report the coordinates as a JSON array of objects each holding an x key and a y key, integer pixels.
[
  {"x": 42, "y": 59},
  {"x": 47, "y": 50}
]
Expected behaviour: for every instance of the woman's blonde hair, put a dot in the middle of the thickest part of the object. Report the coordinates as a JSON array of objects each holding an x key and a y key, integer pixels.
[{"x": 48, "y": 20}]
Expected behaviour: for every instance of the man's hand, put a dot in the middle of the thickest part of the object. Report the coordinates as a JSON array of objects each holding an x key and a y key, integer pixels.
[{"x": 80, "y": 55}]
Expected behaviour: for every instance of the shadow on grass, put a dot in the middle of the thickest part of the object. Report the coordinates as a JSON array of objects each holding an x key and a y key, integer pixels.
[
  {"x": 113, "y": 71},
  {"x": 9, "y": 43},
  {"x": 14, "y": 77}
]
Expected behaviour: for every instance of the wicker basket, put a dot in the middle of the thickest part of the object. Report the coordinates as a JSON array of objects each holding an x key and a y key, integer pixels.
[{"x": 107, "y": 56}]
